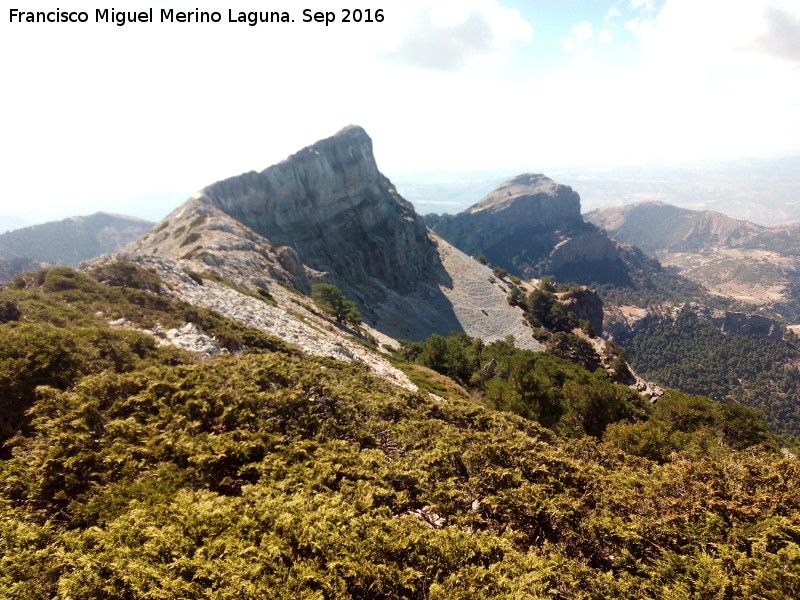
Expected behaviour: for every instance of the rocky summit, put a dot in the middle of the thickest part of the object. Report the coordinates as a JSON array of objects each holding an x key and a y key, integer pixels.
[
  {"x": 326, "y": 214},
  {"x": 519, "y": 205},
  {"x": 531, "y": 226},
  {"x": 330, "y": 203}
]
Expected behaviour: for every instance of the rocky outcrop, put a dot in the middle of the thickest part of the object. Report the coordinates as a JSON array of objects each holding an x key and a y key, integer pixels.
[
  {"x": 739, "y": 323},
  {"x": 586, "y": 305},
  {"x": 186, "y": 337},
  {"x": 584, "y": 246},
  {"x": 625, "y": 322},
  {"x": 331, "y": 205},
  {"x": 326, "y": 214},
  {"x": 522, "y": 204},
  {"x": 205, "y": 238},
  {"x": 532, "y": 226}
]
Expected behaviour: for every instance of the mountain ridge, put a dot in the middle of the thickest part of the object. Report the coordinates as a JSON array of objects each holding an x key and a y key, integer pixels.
[
  {"x": 532, "y": 226},
  {"x": 751, "y": 263},
  {"x": 72, "y": 240},
  {"x": 354, "y": 231},
  {"x": 141, "y": 469}
]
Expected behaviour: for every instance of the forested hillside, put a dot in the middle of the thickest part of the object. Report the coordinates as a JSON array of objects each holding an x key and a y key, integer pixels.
[
  {"x": 147, "y": 472},
  {"x": 696, "y": 357},
  {"x": 70, "y": 241}
]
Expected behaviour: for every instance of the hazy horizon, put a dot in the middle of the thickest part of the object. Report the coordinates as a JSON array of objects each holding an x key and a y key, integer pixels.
[
  {"x": 132, "y": 119},
  {"x": 766, "y": 192}
]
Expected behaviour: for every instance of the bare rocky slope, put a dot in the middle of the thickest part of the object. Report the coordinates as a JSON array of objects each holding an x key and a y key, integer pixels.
[{"x": 326, "y": 214}]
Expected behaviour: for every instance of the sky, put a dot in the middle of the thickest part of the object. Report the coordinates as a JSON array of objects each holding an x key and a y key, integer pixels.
[{"x": 133, "y": 119}]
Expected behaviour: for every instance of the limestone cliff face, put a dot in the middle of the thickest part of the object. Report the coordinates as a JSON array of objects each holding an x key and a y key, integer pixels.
[
  {"x": 585, "y": 245},
  {"x": 339, "y": 214},
  {"x": 532, "y": 226},
  {"x": 741, "y": 323},
  {"x": 525, "y": 203},
  {"x": 327, "y": 214},
  {"x": 626, "y": 322}
]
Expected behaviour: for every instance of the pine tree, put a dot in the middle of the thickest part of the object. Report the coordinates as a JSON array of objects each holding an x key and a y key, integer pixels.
[{"x": 331, "y": 299}]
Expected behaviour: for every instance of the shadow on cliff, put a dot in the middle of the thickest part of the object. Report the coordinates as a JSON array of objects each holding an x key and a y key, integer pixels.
[{"x": 412, "y": 314}]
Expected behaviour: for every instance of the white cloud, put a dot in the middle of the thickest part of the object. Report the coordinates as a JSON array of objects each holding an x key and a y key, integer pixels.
[
  {"x": 782, "y": 36},
  {"x": 643, "y": 4},
  {"x": 634, "y": 25},
  {"x": 116, "y": 112},
  {"x": 718, "y": 34},
  {"x": 445, "y": 35},
  {"x": 696, "y": 81},
  {"x": 715, "y": 77},
  {"x": 581, "y": 33}
]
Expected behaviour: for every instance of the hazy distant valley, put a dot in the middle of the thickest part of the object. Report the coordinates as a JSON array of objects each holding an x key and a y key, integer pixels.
[{"x": 736, "y": 259}]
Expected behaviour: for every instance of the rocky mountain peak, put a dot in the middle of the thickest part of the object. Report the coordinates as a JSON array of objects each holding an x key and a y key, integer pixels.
[
  {"x": 531, "y": 226},
  {"x": 532, "y": 191},
  {"x": 332, "y": 206},
  {"x": 327, "y": 214},
  {"x": 316, "y": 183}
]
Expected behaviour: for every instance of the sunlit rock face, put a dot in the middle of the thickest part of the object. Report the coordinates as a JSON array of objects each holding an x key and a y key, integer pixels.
[
  {"x": 327, "y": 214},
  {"x": 331, "y": 205}
]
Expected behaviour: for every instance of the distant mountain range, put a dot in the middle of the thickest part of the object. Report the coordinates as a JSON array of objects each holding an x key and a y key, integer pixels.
[
  {"x": 733, "y": 258},
  {"x": 327, "y": 215},
  {"x": 67, "y": 242}
]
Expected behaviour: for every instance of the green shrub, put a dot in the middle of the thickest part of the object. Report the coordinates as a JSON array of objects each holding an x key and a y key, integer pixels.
[
  {"x": 331, "y": 299},
  {"x": 191, "y": 238},
  {"x": 126, "y": 274}
]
